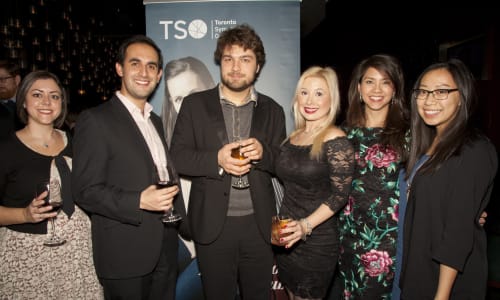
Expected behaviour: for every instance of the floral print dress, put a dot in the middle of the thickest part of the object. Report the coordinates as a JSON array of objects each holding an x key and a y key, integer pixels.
[{"x": 368, "y": 223}]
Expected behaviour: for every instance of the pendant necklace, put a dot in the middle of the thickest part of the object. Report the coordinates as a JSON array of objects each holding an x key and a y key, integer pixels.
[{"x": 44, "y": 144}]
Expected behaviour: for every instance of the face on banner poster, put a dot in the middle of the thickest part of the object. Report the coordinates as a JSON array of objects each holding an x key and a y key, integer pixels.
[{"x": 184, "y": 29}]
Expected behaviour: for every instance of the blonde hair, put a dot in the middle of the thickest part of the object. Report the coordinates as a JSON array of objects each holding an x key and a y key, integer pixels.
[{"x": 330, "y": 77}]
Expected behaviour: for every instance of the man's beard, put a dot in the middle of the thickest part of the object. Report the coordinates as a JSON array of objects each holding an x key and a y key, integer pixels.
[
  {"x": 6, "y": 94},
  {"x": 239, "y": 87}
]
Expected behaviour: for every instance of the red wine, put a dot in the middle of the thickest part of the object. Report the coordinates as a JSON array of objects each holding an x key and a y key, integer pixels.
[
  {"x": 55, "y": 206},
  {"x": 164, "y": 184}
]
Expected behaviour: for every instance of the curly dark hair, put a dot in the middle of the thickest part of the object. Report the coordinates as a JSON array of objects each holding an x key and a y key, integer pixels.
[{"x": 245, "y": 36}]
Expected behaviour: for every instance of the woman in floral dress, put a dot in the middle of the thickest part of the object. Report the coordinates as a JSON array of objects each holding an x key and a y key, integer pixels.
[{"x": 377, "y": 126}]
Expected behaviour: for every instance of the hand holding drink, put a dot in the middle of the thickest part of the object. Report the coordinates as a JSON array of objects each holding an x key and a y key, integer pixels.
[
  {"x": 279, "y": 222},
  {"x": 166, "y": 178},
  {"x": 240, "y": 183},
  {"x": 236, "y": 153},
  {"x": 52, "y": 188}
]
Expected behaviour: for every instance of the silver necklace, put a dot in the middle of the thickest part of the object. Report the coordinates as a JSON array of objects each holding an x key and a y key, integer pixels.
[{"x": 43, "y": 143}]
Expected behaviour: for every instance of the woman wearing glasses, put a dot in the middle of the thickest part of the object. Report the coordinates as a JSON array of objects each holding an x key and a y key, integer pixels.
[{"x": 453, "y": 167}]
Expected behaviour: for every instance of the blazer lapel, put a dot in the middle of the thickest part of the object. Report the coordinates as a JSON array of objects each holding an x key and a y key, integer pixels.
[
  {"x": 123, "y": 116},
  {"x": 259, "y": 118},
  {"x": 214, "y": 111}
]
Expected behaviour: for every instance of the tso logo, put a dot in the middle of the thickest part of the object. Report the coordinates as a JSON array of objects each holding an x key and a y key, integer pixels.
[{"x": 197, "y": 29}]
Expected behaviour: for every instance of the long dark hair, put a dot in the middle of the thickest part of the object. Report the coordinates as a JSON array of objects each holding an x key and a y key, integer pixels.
[
  {"x": 172, "y": 69},
  {"x": 396, "y": 124},
  {"x": 460, "y": 129}
]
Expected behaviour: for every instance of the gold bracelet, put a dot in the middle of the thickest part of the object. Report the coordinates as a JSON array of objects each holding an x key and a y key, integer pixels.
[{"x": 308, "y": 228}]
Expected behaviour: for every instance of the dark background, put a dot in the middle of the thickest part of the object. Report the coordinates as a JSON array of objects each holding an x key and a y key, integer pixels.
[{"x": 333, "y": 33}]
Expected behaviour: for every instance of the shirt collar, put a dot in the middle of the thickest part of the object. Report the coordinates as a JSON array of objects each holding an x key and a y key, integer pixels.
[
  {"x": 252, "y": 96},
  {"x": 132, "y": 108}
]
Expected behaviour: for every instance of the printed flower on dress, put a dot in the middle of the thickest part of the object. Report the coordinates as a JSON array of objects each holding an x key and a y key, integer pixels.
[
  {"x": 395, "y": 213},
  {"x": 376, "y": 262},
  {"x": 360, "y": 162},
  {"x": 348, "y": 207},
  {"x": 380, "y": 156}
]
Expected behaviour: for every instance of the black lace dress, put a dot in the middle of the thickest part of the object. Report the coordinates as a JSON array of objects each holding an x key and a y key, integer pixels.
[{"x": 307, "y": 268}]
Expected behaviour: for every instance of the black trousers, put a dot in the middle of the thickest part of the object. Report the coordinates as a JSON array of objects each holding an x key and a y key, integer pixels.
[
  {"x": 239, "y": 258},
  {"x": 159, "y": 284}
]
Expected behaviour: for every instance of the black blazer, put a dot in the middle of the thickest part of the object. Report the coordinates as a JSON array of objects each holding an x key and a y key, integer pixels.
[
  {"x": 199, "y": 133},
  {"x": 112, "y": 165},
  {"x": 9, "y": 122}
]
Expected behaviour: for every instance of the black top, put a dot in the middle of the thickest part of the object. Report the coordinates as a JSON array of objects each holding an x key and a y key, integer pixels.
[
  {"x": 21, "y": 169},
  {"x": 441, "y": 225}
]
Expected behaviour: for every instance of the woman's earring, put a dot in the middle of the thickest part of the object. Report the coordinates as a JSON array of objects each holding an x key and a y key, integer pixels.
[{"x": 360, "y": 98}]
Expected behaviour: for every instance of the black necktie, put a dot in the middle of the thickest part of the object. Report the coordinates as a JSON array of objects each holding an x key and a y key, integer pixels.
[{"x": 65, "y": 173}]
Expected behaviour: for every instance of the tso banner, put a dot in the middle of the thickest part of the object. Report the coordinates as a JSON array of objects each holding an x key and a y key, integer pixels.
[{"x": 186, "y": 32}]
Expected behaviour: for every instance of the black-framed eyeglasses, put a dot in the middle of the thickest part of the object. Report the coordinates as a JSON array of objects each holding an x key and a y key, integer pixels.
[
  {"x": 4, "y": 79},
  {"x": 438, "y": 94}
]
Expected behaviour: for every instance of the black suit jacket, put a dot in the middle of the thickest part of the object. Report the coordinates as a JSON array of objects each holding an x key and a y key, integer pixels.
[
  {"x": 9, "y": 122},
  {"x": 112, "y": 165},
  {"x": 199, "y": 133}
]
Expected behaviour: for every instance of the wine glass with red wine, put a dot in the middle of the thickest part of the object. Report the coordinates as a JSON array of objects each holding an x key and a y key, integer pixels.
[
  {"x": 54, "y": 199},
  {"x": 167, "y": 178}
]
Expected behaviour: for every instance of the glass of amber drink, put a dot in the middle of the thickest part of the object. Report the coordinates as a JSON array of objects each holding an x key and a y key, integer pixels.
[
  {"x": 240, "y": 183},
  {"x": 279, "y": 222}
]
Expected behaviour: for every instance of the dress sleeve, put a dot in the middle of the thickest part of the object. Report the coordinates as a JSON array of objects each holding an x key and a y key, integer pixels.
[{"x": 340, "y": 158}]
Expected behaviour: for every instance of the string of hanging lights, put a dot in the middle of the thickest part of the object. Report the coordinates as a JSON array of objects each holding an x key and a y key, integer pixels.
[{"x": 54, "y": 35}]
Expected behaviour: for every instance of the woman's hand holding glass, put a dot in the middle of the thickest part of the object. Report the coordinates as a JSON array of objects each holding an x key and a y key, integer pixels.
[
  {"x": 287, "y": 232},
  {"x": 50, "y": 191},
  {"x": 37, "y": 211}
]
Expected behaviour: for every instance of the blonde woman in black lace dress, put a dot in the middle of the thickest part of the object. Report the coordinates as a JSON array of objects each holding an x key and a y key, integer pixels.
[{"x": 316, "y": 164}]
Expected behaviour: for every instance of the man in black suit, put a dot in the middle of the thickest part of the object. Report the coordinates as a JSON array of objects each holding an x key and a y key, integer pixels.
[
  {"x": 118, "y": 147},
  {"x": 231, "y": 226},
  {"x": 10, "y": 77}
]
